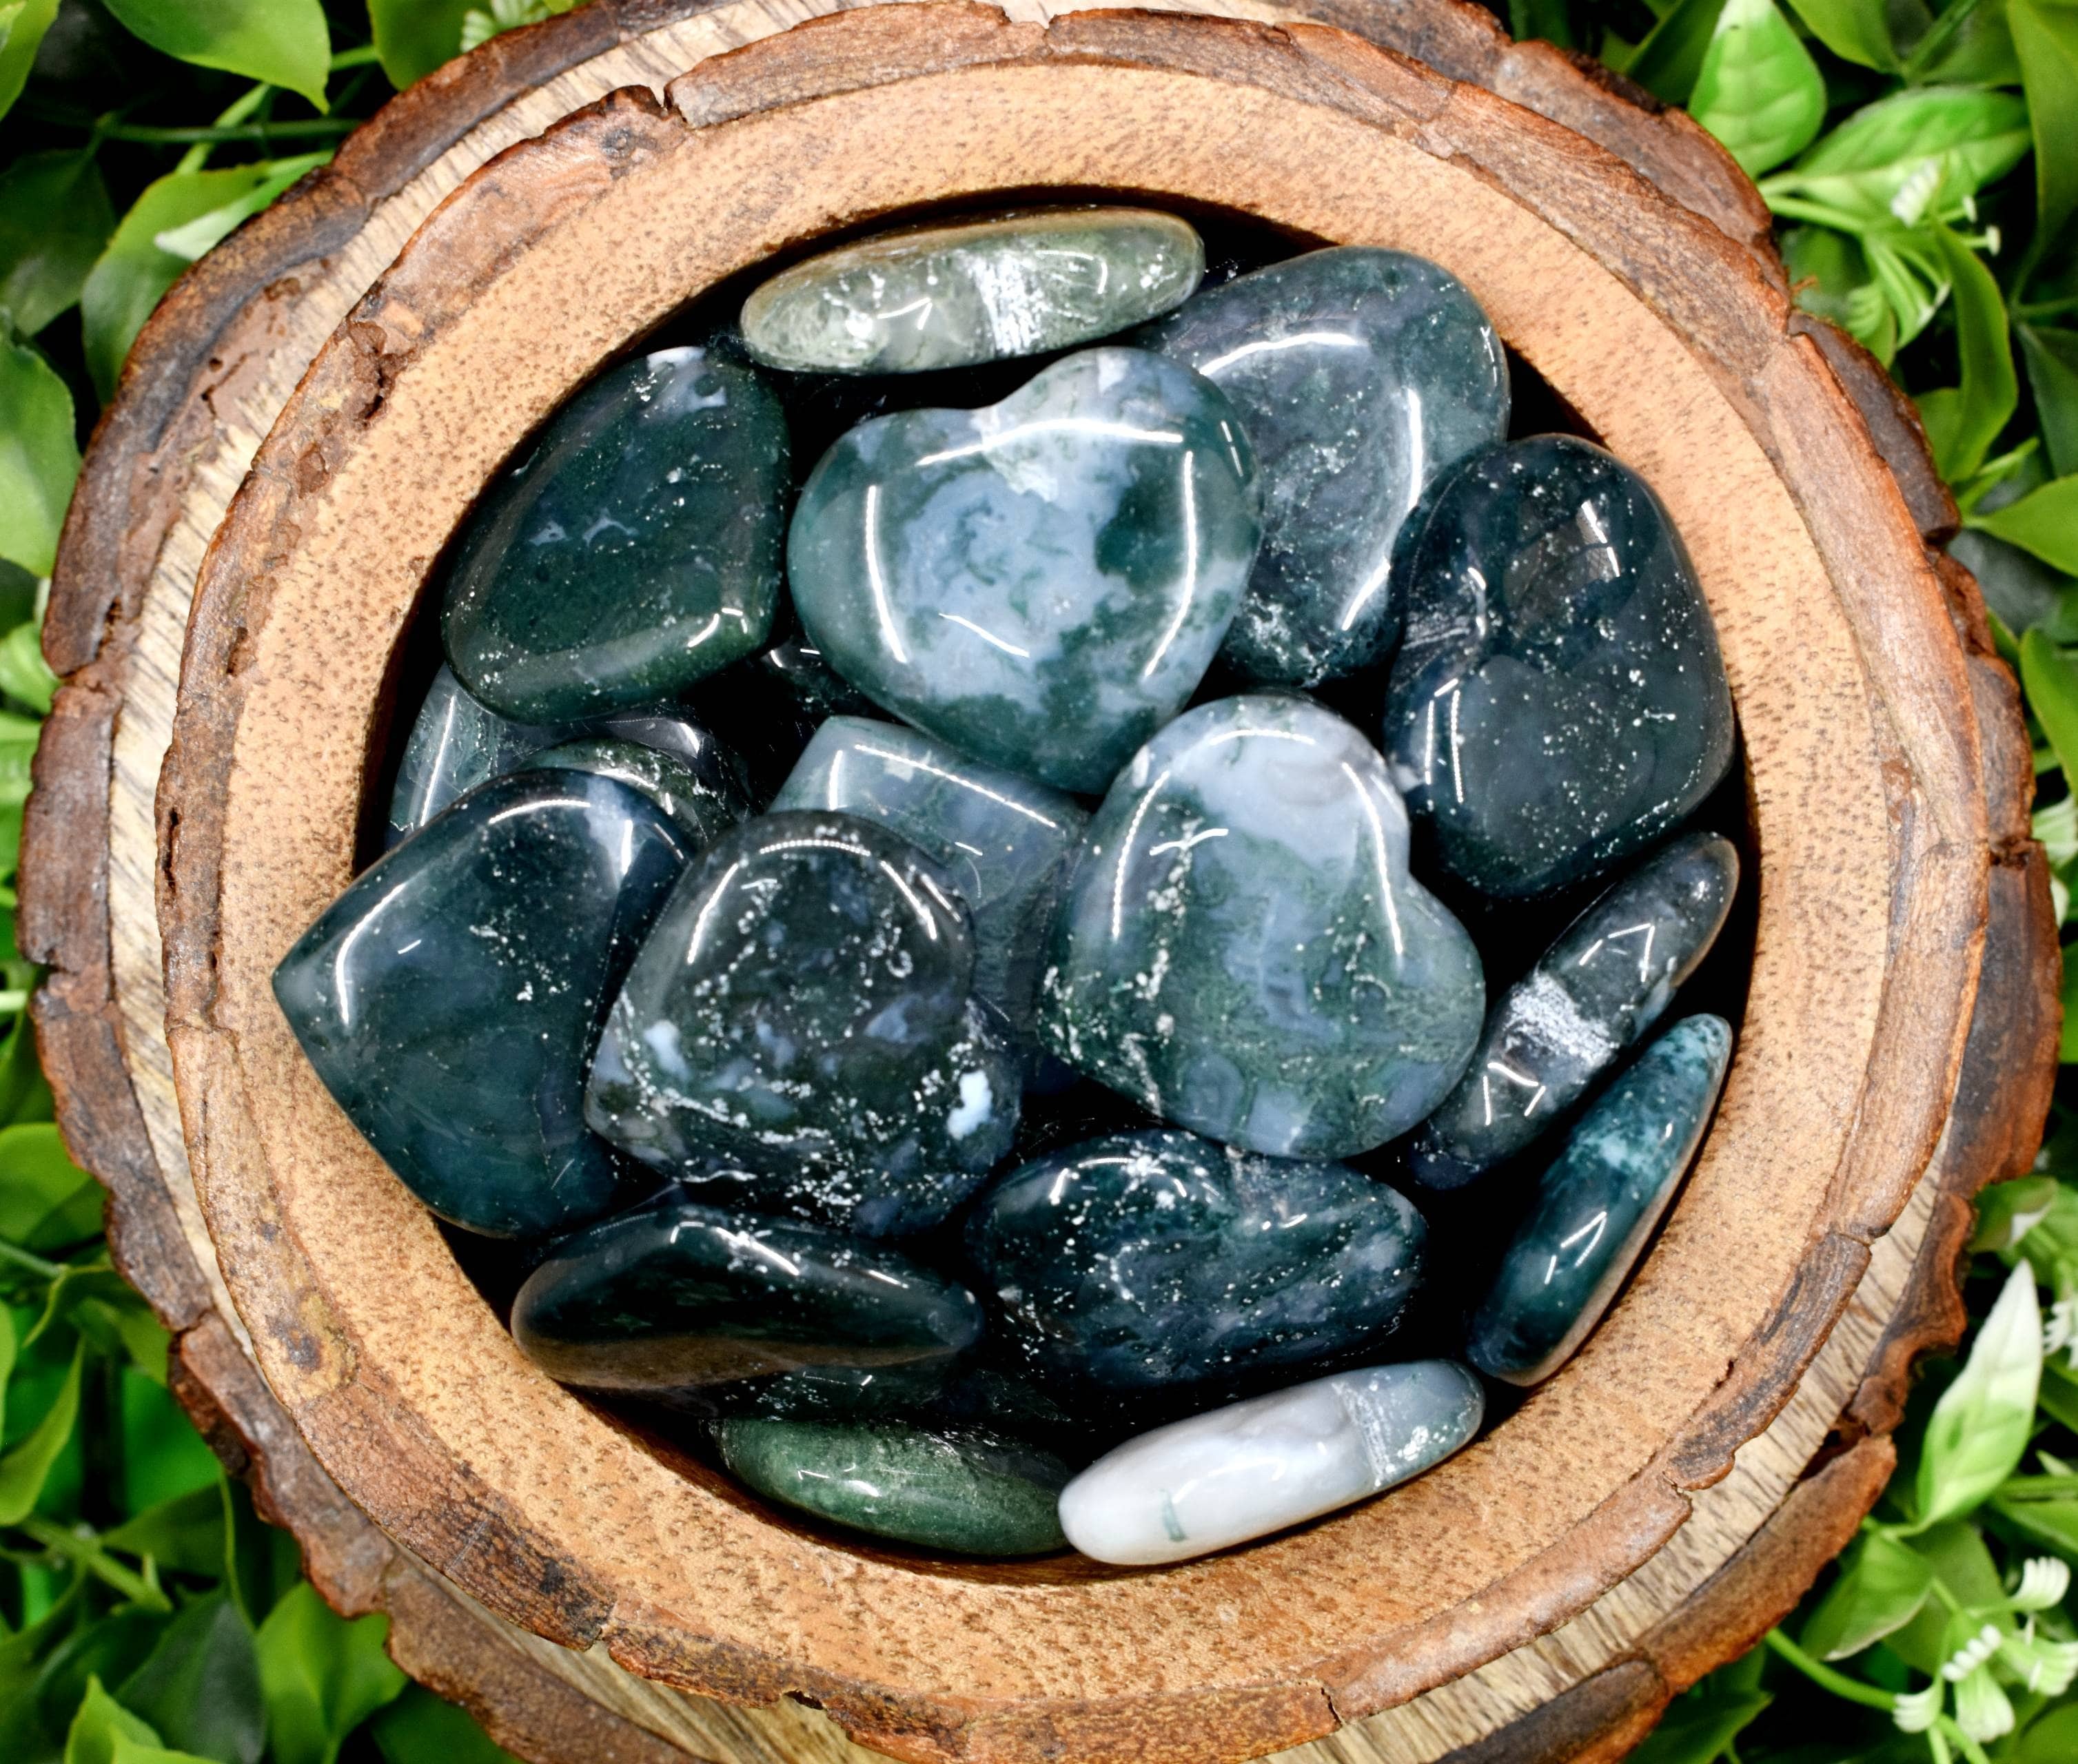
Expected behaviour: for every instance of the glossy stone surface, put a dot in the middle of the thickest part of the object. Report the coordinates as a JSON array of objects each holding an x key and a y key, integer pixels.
[
  {"x": 1558, "y": 701},
  {"x": 1597, "y": 1204},
  {"x": 953, "y": 296},
  {"x": 705, "y": 808},
  {"x": 1042, "y": 582},
  {"x": 803, "y": 1013},
  {"x": 1598, "y": 989},
  {"x": 1253, "y": 1468},
  {"x": 1146, "y": 1260},
  {"x": 633, "y": 550},
  {"x": 1361, "y": 374},
  {"x": 1242, "y": 949},
  {"x": 1004, "y": 841},
  {"x": 451, "y": 997},
  {"x": 970, "y": 1491},
  {"x": 676, "y": 1296}
]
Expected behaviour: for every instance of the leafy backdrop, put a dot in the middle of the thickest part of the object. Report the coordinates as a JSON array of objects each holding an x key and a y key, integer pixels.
[{"x": 1922, "y": 161}]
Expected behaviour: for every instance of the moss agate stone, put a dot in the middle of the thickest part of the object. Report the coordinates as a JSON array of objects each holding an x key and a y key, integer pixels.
[
  {"x": 968, "y": 1490},
  {"x": 1253, "y": 1468},
  {"x": 451, "y": 997},
  {"x": 634, "y": 550},
  {"x": 1558, "y": 701},
  {"x": 1146, "y": 1260},
  {"x": 676, "y": 1296},
  {"x": 1361, "y": 374},
  {"x": 980, "y": 290},
  {"x": 803, "y": 1016},
  {"x": 1597, "y": 1204},
  {"x": 703, "y": 810},
  {"x": 1242, "y": 949},
  {"x": 1004, "y": 841},
  {"x": 1042, "y": 582},
  {"x": 1590, "y": 996}
]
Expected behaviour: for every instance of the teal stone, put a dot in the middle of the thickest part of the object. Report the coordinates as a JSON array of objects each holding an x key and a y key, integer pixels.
[
  {"x": 1361, "y": 374},
  {"x": 1597, "y": 1204},
  {"x": 976, "y": 291},
  {"x": 705, "y": 808},
  {"x": 632, "y": 551},
  {"x": 1042, "y": 582},
  {"x": 1242, "y": 949},
  {"x": 1004, "y": 841},
  {"x": 676, "y": 1297},
  {"x": 1144, "y": 1261},
  {"x": 1593, "y": 995},
  {"x": 970, "y": 1491},
  {"x": 451, "y": 998},
  {"x": 1558, "y": 701},
  {"x": 803, "y": 1016}
]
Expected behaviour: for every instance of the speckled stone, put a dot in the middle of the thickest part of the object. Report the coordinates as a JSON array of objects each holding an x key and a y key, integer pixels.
[
  {"x": 1042, "y": 582},
  {"x": 1590, "y": 996},
  {"x": 1242, "y": 949},
  {"x": 955, "y": 296},
  {"x": 1361, "y": 374},
  {"x": 705, "y": 808}
]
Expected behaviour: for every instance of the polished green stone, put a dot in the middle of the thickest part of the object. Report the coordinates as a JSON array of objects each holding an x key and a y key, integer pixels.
[
  {"x": 977, "y": 290},
  {"x": 674, "y": 1296},
  {"x": 706, "y": 807},
  {"x": 1242, "y": 948},
  {"x": 1361, "y": 374},
  {"x": 1597, "y": 1204},
  {"x": 1042, "y": 582},
  {"x": 633, "y": 550},
  {"x": 803, "y": 1016},
  {"x": 968, "y": 1490}
]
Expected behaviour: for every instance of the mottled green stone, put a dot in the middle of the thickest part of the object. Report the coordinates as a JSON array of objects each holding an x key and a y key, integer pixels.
[
  {"x": 977, "y": 290},
  {"x": 633, "y": 550},
  {"x": 967, "y": 1490},
  {"x": 706, "y": 808}
]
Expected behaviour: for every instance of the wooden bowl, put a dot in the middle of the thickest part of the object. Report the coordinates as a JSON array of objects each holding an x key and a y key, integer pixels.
[{"x": 1643, "y": 1516}]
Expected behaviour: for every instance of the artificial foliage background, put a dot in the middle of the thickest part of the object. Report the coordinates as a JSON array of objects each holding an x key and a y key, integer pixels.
[{"x": 1922, "y": 161}]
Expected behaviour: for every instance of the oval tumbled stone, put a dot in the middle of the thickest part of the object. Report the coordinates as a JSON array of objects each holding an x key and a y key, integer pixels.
[
  {"x": 1558, "y": 701},
  {"x": 676, "y": 1296},
  {"x": 633, "y": 550},
  {"x": 1242, "y": 948},
  {"x": 1042, "y": 582},
  {"x": 978, "y": 290}
]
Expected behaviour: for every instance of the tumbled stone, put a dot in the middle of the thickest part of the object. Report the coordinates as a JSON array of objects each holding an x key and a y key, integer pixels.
[
  {"x": 1361, "y": 374},
  {"x": 634, "y": 549},
  {"x": 676, "y": 1296},
  {"x": 1253, "y": 1468},
  {"x": 1242, "y": 949},
  {"x": 1558, "y": 701},
  {"x": 1590, "y": 996},
  {"x": 704, "y": 808},
  {"x": 1004, "y": 841},
  {"x": 803, "y": 1013},
  {"x": 451, "y": 997},
  {"x": 1597, "y": 1204},
  {"x": 977, "y": 290},
  {"x": 968, "y": 1490},
  {"x": 1151, "y": 1259},
  {"x": 1042, "y": 582}
]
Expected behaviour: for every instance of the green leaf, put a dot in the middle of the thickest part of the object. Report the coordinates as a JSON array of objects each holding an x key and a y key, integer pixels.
[
  {"x": 1914, "y": 154},
  {"x": 1697, "y": 1726},
  {"x": 413, "y": 37},
  {"x": 54, "y": 219},
  {"x": 1964, "y": 1567},
  {"x": 2008, "y": 1212},
  {"x": 24, "y": 1469},
  {"x": 322, "y": 1677},
  {"x": 24, "y": 675},
  {"x": 192, "y": 239},
  {"x": 2058, "y": 1396},
  {"x": 1970, "y": 43},
  {"x": 2045, "y": 34},
  {"x": 1857, "y": 31},
  {"x": 200, "y": 1687},
  {"x": 2052, "y": 1524},
  {"x": 1758, "y": 92},
  {"x": 2067, "y": 1046},
  {"x": 1962, "y": 429},
  {"x": 1670, "y": 57},
  {"x": 47, "y": 1201},
  {"x": 1881, "y": 1587},
  {"x": 282, "y": 42},
  {"x": 39, "y": 458},
  {"x": 1828, "y": 273},
  {"x": 25, "y": 22},
  {"x": 103, "y": 1732},
  {"x": 184, "y": 1535},
  {"x": 1980, "y": 1426},
  {"x": 163, "y": 1456},
  {"x": 420, "y": 1728},
  {"x": 2044, "y": 522},
  {"x": 24, "y": 1096},
  {"x": 2052, "y": 376},
  {"x": 2052, "y": 1740}
]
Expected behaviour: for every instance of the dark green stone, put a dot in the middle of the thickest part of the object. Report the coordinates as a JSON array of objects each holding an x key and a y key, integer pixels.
[
  {"x": 1558, "y": 701},
  {"x": 970, "y": 1491},
  {"x": 633, "y": 550},
  {"x": 676, "y": 1296},
  {"x": 450, "y": 998},
  {"x": 1595, "y": 1207},
  {"x": 706, "y": 807},
  {"x": 1361, "y": 374}
]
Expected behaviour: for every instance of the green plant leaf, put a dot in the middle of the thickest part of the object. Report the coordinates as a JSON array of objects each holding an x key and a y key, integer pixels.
[
  {"x": 24, "y": 1469},
  {"x": 284, "y": 42},
  {"x": 2052, "y": 1524},
  {"x": 47, "y": 1201},
  {"x": 1913, "y": 154},
  {"x": 1759, "y": 90},
  {"x": 1669, "y": 57},
  {"x": 24, "y": 23},
  {"x": 2008, "y": 1212},
  {"x": 420, "y": 1728},
  {"x": 2044, "y": 522},
  {"x": 2052, "y": 1740},
  {"x": 163, "y": 1456},
  {"x": 24, "y": 1096},
  {"x": 200, "y": 1687},
  {"x": 1963, "y": 1565},
  {"x": 1970, "y": 43},
  {"x": 184, "y": 1535},
  {"x": 193, "y": 238},
  {"x": 1829, "y": 273},
  {"x": 1881, "y": 1589},
  {"x": 1697, "y": 1726},
  {"x": 2052, "y": 376},
  {"x": 2045, "y": 34},
  {"x": 24, "y": 675},
  {"x": 1962, "y": 428},
  {"x": 1857, "y": 31},
  {"x": 54, "y": 219},
  {"x": 2058, "y": 1395},
  {"x": 322, "y": 1677},
  {"x": 413, "y": 37},
  {"x": 103, "y": 1732},
  {"x": 39, "y": 458},
  {"x": 1980, "y": 1426}
]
